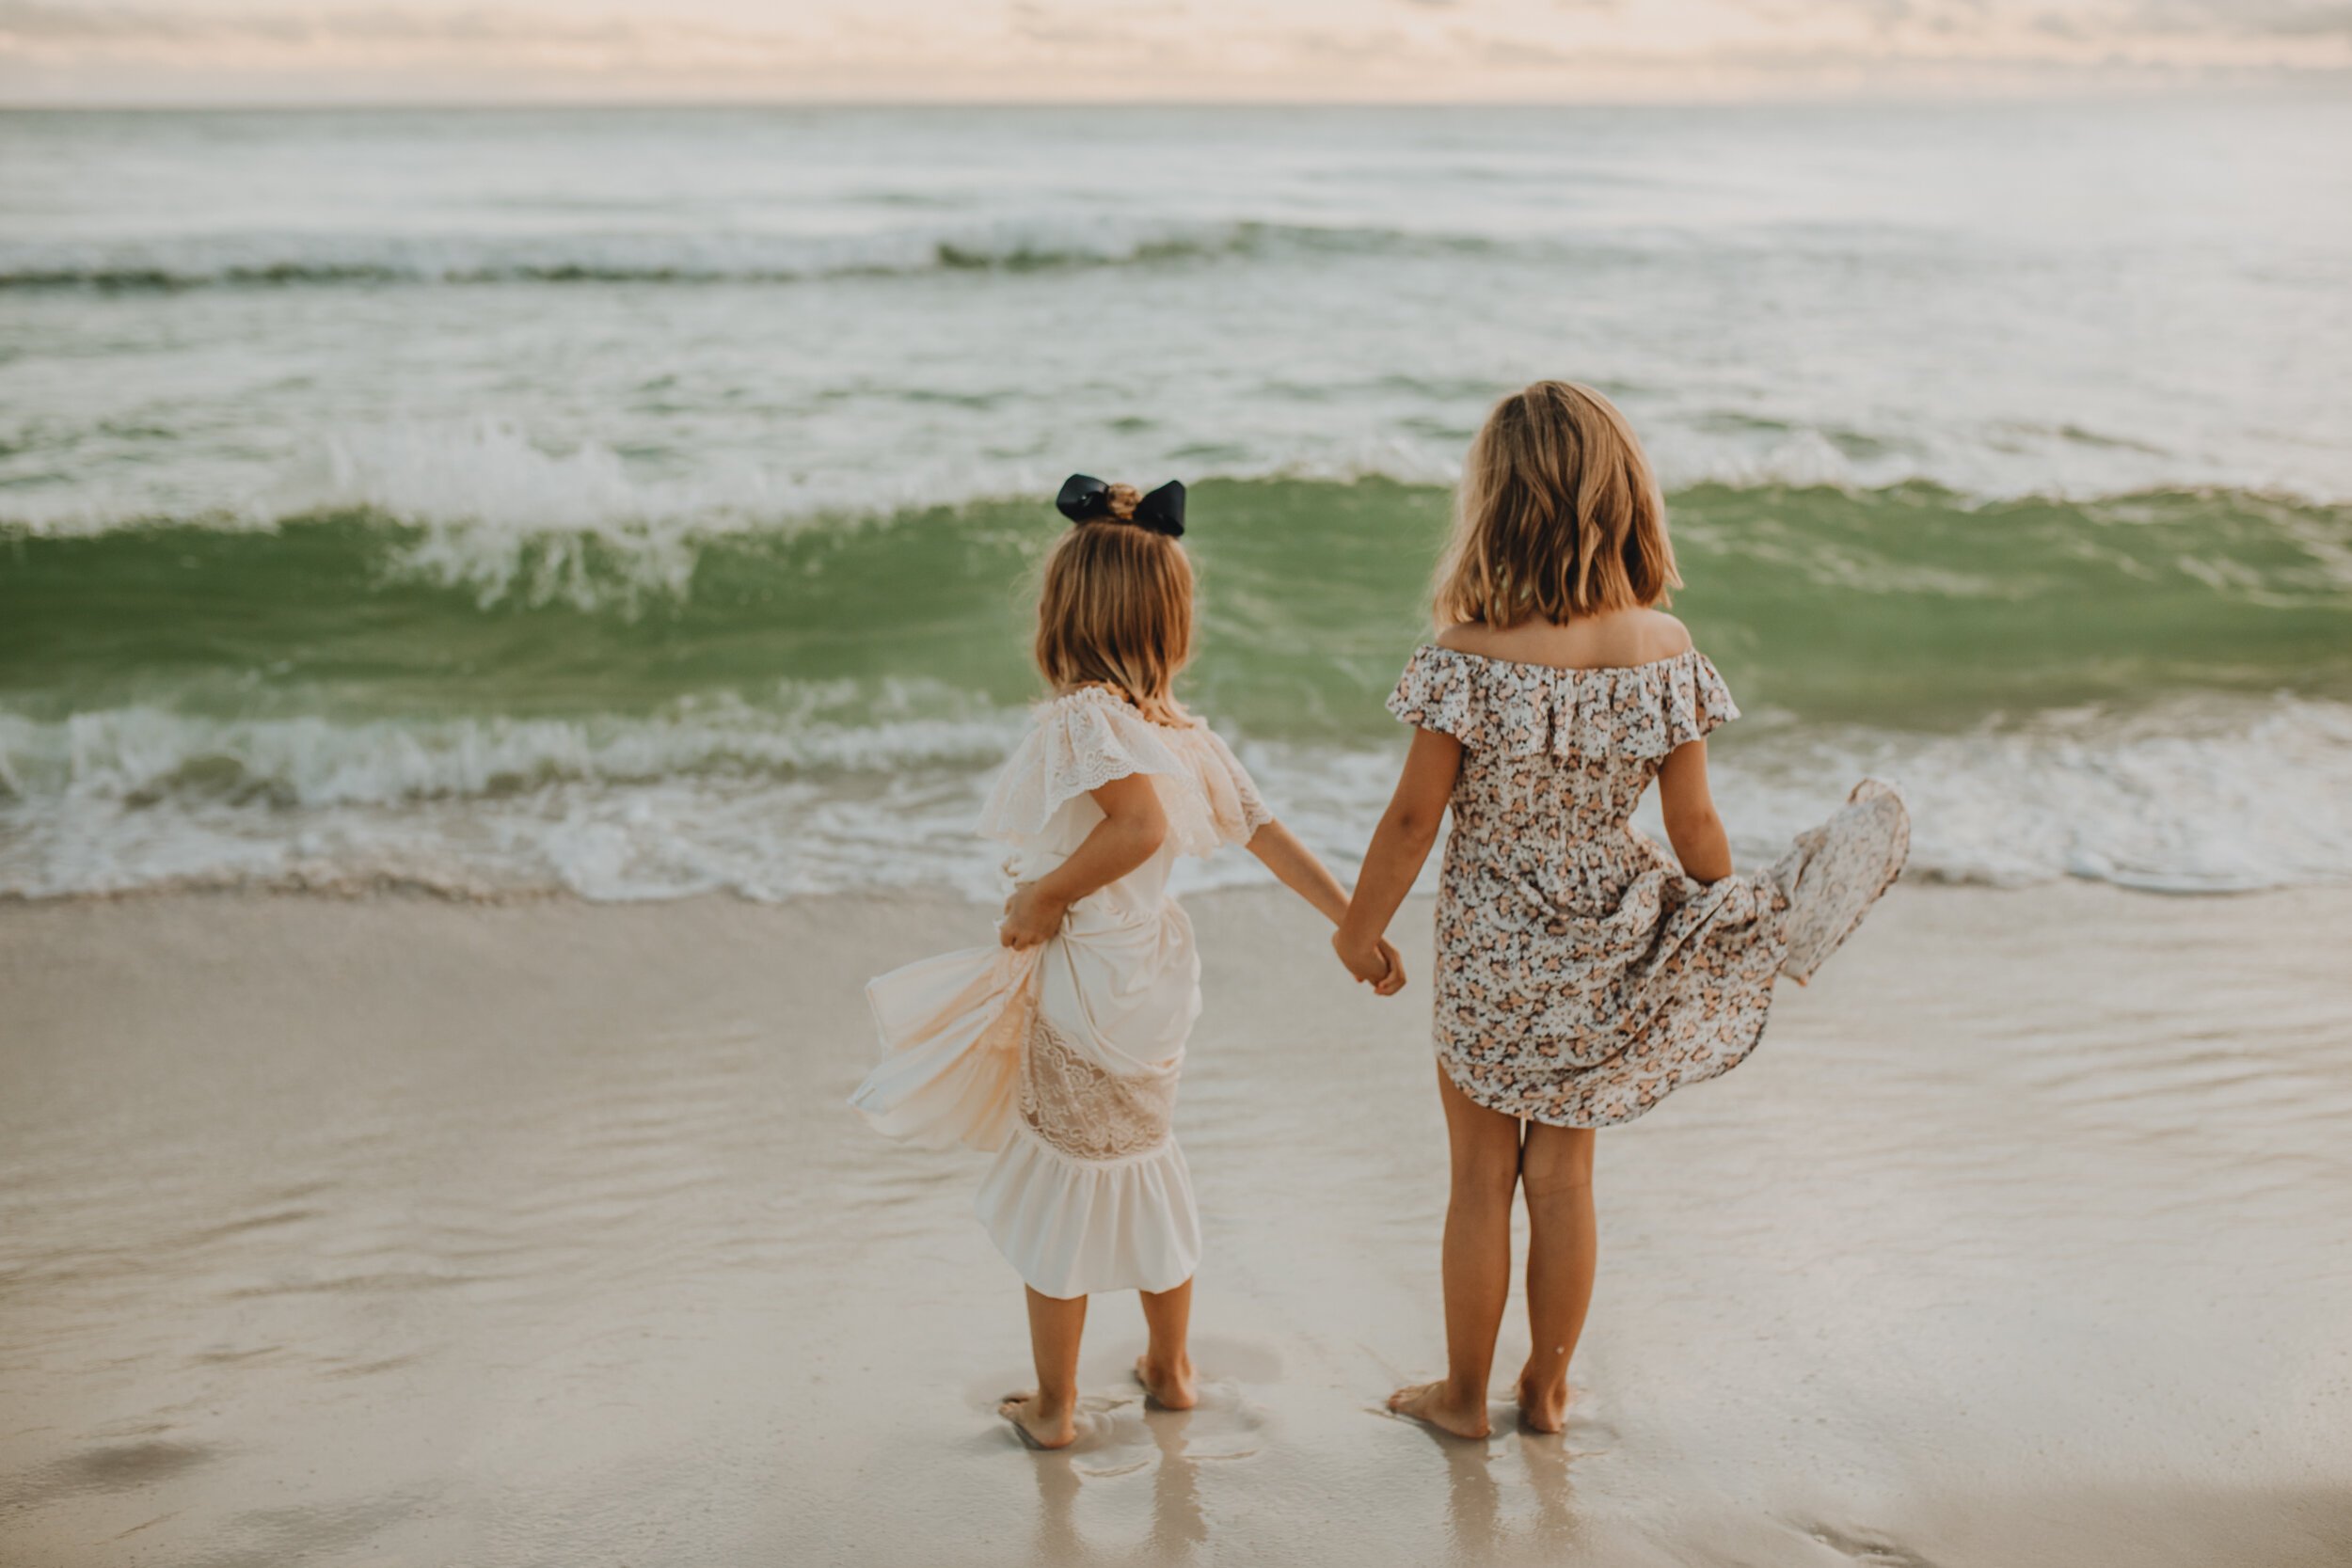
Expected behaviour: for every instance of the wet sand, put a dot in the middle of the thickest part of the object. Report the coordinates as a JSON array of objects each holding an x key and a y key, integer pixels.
[{"x": 392, "y": 1232}]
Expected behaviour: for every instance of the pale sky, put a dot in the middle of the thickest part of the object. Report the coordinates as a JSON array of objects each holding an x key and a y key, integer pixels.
[{"x": 1029, "y": 51}]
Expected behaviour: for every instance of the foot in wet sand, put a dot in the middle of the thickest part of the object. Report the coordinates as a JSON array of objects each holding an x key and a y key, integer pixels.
[
  {"x": 1039, "y": 1425},
  {"x": 1544, "y": 1409},
  {"x": 1171, "y": 1387},
  {"x": 1435, "y": 1404}
]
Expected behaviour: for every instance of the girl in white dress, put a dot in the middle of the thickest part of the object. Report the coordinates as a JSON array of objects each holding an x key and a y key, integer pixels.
[{"x": 1059, "y": 1048}]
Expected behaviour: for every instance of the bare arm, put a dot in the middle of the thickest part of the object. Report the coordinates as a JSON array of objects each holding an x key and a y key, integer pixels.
[
  {"x": 1407, "y": 831},
  {"x": 1298, "y": 869},
  {"x": 1131, "y": 830},
  {"x": 1692, "y": 825}
]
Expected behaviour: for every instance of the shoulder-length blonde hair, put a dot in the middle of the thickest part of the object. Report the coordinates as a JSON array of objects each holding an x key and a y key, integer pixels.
[
  {"x": 1558, "y": 516},
  {"x": 1116, "y": 610}
]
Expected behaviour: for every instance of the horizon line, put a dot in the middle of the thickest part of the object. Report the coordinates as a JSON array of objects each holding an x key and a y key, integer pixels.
[{"x": 2306, "y": 84}]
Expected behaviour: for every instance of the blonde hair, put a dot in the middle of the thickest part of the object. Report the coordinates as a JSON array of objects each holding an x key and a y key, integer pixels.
[
  {"x": 1558, "y": 516},
  {"x": 1116, "y": 610}
]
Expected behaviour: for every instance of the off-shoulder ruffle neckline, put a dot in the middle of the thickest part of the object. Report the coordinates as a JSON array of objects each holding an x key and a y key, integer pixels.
[
  {"x": 1114, "y": 698},
  {"x": 1090, "y": 694},
  {"x": 1691, "y": 652},
  {"x": 1633, "y": 711},
  {"x": 1080, "y": 739}
]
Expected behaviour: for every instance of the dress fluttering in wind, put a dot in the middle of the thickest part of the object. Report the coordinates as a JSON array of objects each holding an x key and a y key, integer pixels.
[{"x": 1581, "y": 977}]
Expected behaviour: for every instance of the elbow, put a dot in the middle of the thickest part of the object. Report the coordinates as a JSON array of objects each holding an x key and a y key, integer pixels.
[
  {"x": 1417, "y": 830},
  {"x": 1694, "y": 827},
  {"x": 1148, "y": 835}
]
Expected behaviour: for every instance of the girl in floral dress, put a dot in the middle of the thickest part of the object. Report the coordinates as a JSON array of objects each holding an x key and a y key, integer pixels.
[
  {"x": 1059, "y": 1048},
  {"x": 1583, "y": 974}
]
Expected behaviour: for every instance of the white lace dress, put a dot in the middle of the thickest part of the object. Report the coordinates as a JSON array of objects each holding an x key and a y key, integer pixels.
[{"x": 1064, "y": 1059}]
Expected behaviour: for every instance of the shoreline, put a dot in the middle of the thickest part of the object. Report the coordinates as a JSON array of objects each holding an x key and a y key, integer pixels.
[
  {"x": 405, "y": 888},
  {"x": 393, "y": 1228}
]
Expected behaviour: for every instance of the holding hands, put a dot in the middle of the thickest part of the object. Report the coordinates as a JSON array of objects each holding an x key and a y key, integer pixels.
[
  {"x": 1133, "y": 830},
  {"x": 1402, "y": 843},
  {"x": 1377, "y": 965}
]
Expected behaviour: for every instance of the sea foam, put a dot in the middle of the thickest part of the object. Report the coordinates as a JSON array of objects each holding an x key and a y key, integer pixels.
[{"x": 2202, "y": 796}]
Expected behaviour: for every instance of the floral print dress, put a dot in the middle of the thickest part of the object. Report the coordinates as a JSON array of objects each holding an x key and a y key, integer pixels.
[{"x": 1581, "y": 977}]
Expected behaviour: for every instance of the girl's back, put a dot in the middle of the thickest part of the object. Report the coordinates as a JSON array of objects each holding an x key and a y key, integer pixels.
[{"x": 1614, "y": 638}]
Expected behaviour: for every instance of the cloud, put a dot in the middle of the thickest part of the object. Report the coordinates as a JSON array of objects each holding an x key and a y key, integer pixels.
[
  {"x": 372, "y": 52},
  {"x": 36, "y": 20},
  {"x": 120, "y": 51},
  {"x": 2286, "y": 19}
]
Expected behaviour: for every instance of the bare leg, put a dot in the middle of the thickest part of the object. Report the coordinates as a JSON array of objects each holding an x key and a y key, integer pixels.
[
  {"x": 1556, "y": 1169},
  {"x": 1477, "y": 1264},
  {"x": 1165, "y": 1369},
  {"x": 1049, "y": 1416}
]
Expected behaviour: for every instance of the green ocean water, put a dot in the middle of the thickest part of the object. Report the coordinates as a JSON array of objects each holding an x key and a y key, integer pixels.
[{"x": 1907, "y": 606}]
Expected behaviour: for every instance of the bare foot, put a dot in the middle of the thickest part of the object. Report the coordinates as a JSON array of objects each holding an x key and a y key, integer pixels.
[
  {"x": 1039, "y": 1427},
  {"x": 1434, "y": 1404},
  {"x": 1543, "y": 1409},
  {"x": 1170, "y": 1387}
]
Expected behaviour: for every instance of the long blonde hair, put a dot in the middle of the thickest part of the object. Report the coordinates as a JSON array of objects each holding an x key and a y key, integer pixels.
[
  {"x": 1558, "y": 516},
  {"x": 1116, "y": 610}
]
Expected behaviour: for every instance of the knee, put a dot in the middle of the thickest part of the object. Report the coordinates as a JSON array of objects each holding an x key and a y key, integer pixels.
[
  {"x": 1487, "y": 1181},
  {"x": 1552, "y": 1173},
  {"x": 1559, "y": 1186}
]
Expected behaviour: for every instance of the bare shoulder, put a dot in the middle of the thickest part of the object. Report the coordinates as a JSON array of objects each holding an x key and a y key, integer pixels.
[
  {"x": 1623, "y": 636},
  {"x": 1616, "y": 638},
  {"x": 1664, "y": 635},
  {"x": 1466, "y": 636}
]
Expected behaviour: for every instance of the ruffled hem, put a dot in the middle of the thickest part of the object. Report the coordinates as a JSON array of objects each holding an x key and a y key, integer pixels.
[
  {"x": 1086, "y": 739},
  {"x": 1636, "y": 710},
  {"x": 1605, "y": 1105},
  {"x": 1078, "y": 1227}
]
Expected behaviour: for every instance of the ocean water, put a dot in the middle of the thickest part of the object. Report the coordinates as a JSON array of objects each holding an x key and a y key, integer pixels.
[{"x": 640, "y": 502}]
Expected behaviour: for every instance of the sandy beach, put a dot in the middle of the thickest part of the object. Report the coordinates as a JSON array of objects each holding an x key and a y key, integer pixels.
[{"x": 402, "y": 1231}]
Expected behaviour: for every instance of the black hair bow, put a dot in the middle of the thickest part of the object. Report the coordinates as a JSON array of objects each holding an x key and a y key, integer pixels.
[{"x": 1084, "y": 497}]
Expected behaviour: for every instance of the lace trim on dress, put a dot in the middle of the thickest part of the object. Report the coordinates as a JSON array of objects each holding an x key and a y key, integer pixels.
[
  {"x": 1080, "y": 742},
  {"x": 1635, "y": 710},
  {"x": 1086, "y": 739},
  {"x": 1080, "y": 1110},
  {"x": 1234, "y": 803}
]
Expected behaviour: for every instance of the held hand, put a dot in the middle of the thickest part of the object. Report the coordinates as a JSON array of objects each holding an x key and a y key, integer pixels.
[
  {"x": 1376, "y": 963},
  {"x": 1031, "y": 918}
]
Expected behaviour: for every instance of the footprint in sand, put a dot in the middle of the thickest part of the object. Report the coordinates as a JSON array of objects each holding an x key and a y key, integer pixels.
[
  {"x": 1120, "y": 1432},
  {"x": 1867, "y": 1547},
  {"x": 1225, "y": 1424},
  {"x": 1587, "y": 1430}
]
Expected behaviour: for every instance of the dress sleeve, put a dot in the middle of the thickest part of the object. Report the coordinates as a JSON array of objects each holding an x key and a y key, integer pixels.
[
  {"x": 1078, "y": 744},
  {"x": 1439, "y": 690},
  {"x": 1234, "y": 803},
  {"x": 1696, "y": 701}
]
